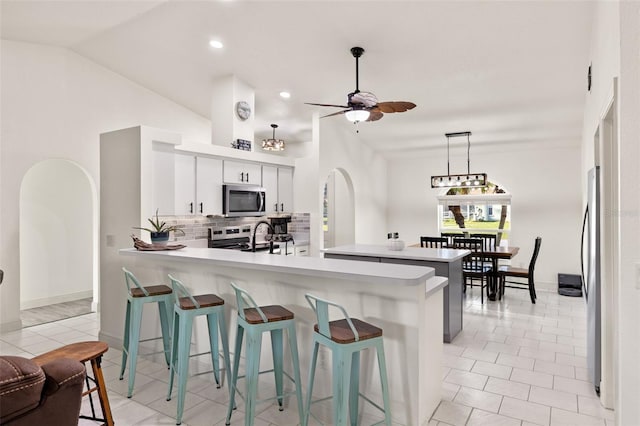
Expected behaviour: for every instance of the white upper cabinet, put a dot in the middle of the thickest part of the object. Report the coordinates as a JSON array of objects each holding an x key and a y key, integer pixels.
[
  {"x": 162, "y": 180},
  {"x": 238, "y": 172},
  {"x": 285, "y": 189},
  {"x": 278, "y": 185},
  {"x": 208, "y": 186},
  {"x": 185, "y": 181},
  {"x": 198, "y": 183},
  {"x": 270, "y": 184}
]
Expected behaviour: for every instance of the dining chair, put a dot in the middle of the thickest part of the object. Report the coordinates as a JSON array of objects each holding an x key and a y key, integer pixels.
[
  {"x": 451, "y": 235},
  {"x": 473, "y": 267},
  {"x": 488, "y": 244},
  {"x": 488, "y": 240},
  {"x": 434, "y": 242},
  {"x": 522, "y": 273}
]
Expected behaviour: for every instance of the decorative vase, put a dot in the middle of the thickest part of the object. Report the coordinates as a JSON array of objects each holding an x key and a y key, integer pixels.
[
  {"x": 160, "y": 238},
  {"x": 395, "y": 245}
]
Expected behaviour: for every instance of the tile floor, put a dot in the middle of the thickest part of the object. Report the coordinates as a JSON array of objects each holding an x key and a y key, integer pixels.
[{"x": 514, "y": 364}]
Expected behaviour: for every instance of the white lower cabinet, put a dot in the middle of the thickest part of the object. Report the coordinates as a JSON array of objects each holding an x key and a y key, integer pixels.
[{"x": 301, "y": 250}]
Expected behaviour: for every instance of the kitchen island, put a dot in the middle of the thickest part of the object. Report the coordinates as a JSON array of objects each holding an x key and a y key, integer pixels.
[
  {"x": 446, "y": 262},
  {"x": 405, "y": 301}
]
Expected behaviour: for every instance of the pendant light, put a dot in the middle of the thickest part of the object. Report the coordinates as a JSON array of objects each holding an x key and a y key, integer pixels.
[
  {"x": 468, "y": 180},
  {"x": 273, "y": 144}
]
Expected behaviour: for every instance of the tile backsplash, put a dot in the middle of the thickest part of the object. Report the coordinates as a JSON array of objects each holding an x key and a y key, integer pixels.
[{"x": 196, "y": 227}]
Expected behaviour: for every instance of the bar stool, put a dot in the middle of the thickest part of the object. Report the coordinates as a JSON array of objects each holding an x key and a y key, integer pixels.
[
  {"x": 186, "y": 308},
  {"x": 346, "y": 338},
  {"x": 256, "y": 320},
  {"x": 137, "y": 296}
]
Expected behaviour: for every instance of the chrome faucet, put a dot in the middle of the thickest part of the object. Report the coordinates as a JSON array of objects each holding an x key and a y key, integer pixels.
[{"x": 253, "y": 240}]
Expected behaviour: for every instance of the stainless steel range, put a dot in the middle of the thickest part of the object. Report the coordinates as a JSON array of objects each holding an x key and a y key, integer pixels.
[{"x": 236, "y": 238}]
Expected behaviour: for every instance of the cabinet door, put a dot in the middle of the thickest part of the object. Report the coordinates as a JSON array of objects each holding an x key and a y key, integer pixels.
[
  {"x": 162, "y": 180},
  {"x": 208, "y": 186},
  {"x": 238, "y": 172},
  {"x": 270, "y": 184},
  {"x": 185, "y": 181},
  {"x": 285, "y": 189}
]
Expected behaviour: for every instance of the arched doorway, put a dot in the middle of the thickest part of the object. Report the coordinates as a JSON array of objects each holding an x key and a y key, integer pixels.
[
  {"x": 338, "y": 218},
  {"x": 58, "y": 235}
]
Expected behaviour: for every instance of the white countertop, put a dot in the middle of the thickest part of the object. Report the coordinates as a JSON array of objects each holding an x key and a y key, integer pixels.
[
  {"x": 389, "y": 274},
  {"x": 412, "y": 253}
]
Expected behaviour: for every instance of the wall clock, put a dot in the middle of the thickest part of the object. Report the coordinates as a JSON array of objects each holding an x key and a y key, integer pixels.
[{"x": 243, "y": 110}]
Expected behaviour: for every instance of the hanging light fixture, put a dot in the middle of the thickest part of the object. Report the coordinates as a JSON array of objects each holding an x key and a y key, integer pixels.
[
  {"x": 273, "y": 144},
  {"x": 468, "y": 180}
]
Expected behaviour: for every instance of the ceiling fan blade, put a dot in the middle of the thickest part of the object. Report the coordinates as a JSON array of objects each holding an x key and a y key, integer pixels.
[
  {"x": 395, "y": 106},
  {"x": 375, "y": 115},
  {"x": 328, "y": 105},
  {"x": 336, "y": 113}
]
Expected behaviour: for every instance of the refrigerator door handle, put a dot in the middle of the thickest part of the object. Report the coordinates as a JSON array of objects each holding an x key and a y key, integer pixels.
[{"x": 584, "y": 227}]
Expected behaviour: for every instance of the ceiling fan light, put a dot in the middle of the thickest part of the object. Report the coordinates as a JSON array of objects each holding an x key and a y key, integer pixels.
[{"x": 356, "y": 115}]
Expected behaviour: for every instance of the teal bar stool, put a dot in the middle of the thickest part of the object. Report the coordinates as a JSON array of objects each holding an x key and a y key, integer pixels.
[
  {"x": 186, "y": 308},
  {"x": 137, "y": 296},
  {"x": 346, "y": 338},
  {"x": 256, "y": 320}
]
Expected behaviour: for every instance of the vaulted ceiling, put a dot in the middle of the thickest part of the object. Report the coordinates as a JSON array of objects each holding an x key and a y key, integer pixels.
[{"x": 509, "y": 71}]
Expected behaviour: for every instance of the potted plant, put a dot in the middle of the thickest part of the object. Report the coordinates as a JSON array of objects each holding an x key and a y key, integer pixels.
[{"x": 159, "y": 230}]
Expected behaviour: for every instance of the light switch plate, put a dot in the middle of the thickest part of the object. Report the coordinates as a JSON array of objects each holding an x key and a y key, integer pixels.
[{"x": 110, "y": 241}]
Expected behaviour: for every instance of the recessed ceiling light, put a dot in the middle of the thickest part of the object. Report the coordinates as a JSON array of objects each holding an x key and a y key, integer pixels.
[
  {"x": 217, "y": 44},
  {"x": 285, "y": 95}
]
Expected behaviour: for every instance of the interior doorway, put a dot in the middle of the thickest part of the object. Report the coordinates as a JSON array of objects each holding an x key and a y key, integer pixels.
[
  {"x": 338, "y": 218},
  {"x": 58, "y": 237}
]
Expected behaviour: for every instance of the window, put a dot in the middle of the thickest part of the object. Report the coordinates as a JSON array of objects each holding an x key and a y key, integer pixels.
[{"x": 476, "y": 210}]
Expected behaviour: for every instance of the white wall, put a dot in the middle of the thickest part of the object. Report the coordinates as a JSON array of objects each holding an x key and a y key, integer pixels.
[
  {"x": 55, "y": 104},
  {"x": 341, "y": 147},
  {"x": 615, "y": 52},
  {"x": 56, "y": 234},
  {"x": 543, "y": 178}
]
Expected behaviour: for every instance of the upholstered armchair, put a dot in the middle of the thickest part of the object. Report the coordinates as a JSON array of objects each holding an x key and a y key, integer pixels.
[{"x": 33, "y": 395}]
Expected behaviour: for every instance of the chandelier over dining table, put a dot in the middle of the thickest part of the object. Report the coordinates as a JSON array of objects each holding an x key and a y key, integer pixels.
[{"x": 464, "y": 180}]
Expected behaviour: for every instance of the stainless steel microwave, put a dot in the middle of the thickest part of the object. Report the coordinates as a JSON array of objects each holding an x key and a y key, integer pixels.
[{"x": 243, "y": 200}]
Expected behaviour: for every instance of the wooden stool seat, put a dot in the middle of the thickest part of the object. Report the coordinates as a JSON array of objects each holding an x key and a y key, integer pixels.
[
  {"x": 272, "y": 312},
  {"x": 83, "y": 352},
  {"x": 204, "y": 300},
  {"x": 342, "y": 333},
  {"x": 153, "y": 290}
]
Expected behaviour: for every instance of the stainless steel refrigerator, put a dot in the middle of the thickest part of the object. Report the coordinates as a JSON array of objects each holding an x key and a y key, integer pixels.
[{"x": 591, "y": 282}]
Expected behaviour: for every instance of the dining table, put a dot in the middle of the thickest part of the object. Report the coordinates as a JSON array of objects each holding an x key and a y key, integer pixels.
[{"x": 494, "y": 254}]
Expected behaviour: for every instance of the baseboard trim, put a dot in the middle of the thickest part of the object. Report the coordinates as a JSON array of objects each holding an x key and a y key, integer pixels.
[
  {"x": 46, "y": 301},
  {"x": 10, "y": 326}
]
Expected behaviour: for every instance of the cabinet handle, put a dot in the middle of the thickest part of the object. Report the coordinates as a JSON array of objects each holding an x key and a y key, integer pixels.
[
  {"x": 242, "y": 177},
  {"x": 276, "y": 205},
  {"x": 201, "y": 208},
  {"x": 191, "y": 208},
  {"x": 282, "y": 207},
  {"x": 247, "y": 177}
]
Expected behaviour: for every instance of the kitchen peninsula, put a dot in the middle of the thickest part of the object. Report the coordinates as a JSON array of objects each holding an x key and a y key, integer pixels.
[
  {"x": 405, "y": 301},
  {"x": 446, "y": 262}
]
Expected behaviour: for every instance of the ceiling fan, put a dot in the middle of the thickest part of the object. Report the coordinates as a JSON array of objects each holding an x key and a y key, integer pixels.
[{"x": 364, "y": 106}]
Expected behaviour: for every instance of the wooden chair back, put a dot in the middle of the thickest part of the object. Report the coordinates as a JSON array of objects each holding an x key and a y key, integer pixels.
[
  {"x": 488, "y": 241},
  {"x": 473, "y": 261},
  {"x": 434, "y": 242}
]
